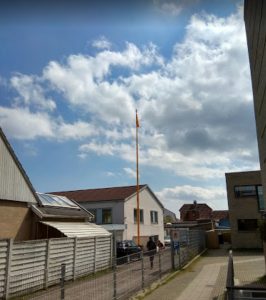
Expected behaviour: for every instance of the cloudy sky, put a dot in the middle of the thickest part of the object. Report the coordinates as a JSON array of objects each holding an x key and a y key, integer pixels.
[{"x": 72, "y": 77}]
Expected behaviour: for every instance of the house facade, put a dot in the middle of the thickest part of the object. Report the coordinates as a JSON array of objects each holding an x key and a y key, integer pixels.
[
  {"x": 16, "y": 195},
  {"x": 246, "y": 205},
  {"x": 115, "y": 209}
]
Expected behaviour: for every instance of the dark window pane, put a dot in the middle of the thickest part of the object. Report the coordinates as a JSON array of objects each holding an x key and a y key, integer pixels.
[
  {"x": 140, "y": 215},
  {"x": 260, "y": 197},
  {"x": 107, "y": 216},
  {"x": 245, "y": 191},
  {"x": 247, "y": 224}
]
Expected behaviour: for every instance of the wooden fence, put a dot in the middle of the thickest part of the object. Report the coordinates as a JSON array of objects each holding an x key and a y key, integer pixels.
[{"x": 32, "y": 265}]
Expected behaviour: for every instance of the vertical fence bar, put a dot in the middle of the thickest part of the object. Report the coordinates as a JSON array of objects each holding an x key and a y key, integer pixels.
[
  {"x": 46, "y": 270},
  {"x": 115, "y": 279},
  {"x": 95, "y": 256},
  {"x": 63, "y": 275},
  {"x": 160, "y": 265},
  {"x": 142, "y": 271},
  {"x": 74, "y": 257},
  {"x": 8, "y": 267}
]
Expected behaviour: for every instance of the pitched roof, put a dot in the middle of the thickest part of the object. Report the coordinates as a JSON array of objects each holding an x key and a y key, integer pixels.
[
  {"x": 101, "y": 194},
  {"x": 202, "y": 208},
  {"x": 220, "y": 214},
  {"x": 197, "y": 206},
  {"x": 21, "y": 170}
]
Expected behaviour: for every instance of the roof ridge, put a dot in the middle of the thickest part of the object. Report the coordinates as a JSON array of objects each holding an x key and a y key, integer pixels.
[{"x": 94, "y": 189}]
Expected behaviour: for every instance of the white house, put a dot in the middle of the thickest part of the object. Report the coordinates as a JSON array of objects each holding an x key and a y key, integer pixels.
[{"x": 115, "y": 209}]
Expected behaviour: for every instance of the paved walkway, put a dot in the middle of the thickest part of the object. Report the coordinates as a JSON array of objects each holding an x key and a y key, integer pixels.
[{"x": 205, "y": 278}]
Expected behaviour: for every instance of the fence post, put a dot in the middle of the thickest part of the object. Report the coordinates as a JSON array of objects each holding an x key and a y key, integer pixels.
[
  {"x": 95, "y": 249},
  {"x": 230, "y": 277},
  {"x": 75, "y": 257},
  {"x": 172, "y": 255},
  {"x": 114, "y": 279},
  {"x": 63, "y": 274},
  {"x": 8, "y": 268},
  {"x": 46, "y": 270},
  {"x": 142, "y": 271},
  {"x": 160, "y": 265}
]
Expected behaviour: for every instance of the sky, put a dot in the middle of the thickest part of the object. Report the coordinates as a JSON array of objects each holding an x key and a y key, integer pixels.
[{"x": 73, "y": 75}]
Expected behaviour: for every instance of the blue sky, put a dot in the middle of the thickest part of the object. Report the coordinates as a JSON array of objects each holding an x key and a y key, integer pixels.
[{"x": 72, "y": 76}]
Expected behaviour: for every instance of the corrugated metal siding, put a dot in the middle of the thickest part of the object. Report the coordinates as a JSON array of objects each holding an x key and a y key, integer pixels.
[
  {"x": 13, "y": 185},
  {"x": 3, "y": 264},
  {"x": 35, "y": 265},
  {"x": 77, "y": 229}
]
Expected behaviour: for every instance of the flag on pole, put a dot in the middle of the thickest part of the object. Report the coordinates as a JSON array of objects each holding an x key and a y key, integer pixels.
[{"x": 137, "y": 120}]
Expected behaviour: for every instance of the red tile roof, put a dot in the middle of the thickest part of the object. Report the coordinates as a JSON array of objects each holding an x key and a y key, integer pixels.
[
  {"x": 101, "y": 194},
  {"x": 220, "y": 214},
  {"x": 203, "y": 211}
]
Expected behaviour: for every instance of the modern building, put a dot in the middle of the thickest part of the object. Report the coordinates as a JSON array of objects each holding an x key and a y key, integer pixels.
[
  {"x": 115, "y": 208},
  {"x": 246, "y": 206},
  {"x": 255, "y": 21}
]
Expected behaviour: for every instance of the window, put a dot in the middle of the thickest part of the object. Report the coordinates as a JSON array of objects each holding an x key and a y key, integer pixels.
[
  {"x": 154, "y": 217},
  {"x": 141, "y": 219},
  {"x": 260, "y": 197},
  {"x": 245, "y": 191},
  {"x": 251, "y": 191},
  {"x": 106, "y": 216},
  {"x": 247, "y": 224}
]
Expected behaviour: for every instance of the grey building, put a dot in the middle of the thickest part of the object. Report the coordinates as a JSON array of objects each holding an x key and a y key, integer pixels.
[{"x": 246, "y": 205}]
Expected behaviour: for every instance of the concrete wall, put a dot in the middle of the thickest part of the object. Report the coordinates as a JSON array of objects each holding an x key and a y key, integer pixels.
[
  {"x": 148, "y": 204},
  {"x": 255, "y": 21},
  {"x": 243, "y": 208},
  {"x": 15, "y": 221}
]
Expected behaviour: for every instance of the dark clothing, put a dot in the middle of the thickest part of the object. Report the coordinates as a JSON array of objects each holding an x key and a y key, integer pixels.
[
  {"x": 152, "y": 250},
  {"x": 151, "y": 245}
]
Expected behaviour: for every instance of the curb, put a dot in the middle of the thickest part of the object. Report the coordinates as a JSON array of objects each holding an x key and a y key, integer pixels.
[{"x": 164, "y": 280}]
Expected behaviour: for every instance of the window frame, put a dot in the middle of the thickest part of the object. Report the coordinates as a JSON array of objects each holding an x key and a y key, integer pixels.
[
  {"x": 141, "y": 216},
  {"x": 111, "y": 214},
  {"x": 246, "y": 227},
  {"x": 154, "y": 216}
]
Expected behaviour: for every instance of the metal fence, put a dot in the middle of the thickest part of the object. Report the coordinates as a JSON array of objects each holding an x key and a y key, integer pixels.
[
  {"x": 241, "y": 292},
  {"x": 126, "y": 277}
]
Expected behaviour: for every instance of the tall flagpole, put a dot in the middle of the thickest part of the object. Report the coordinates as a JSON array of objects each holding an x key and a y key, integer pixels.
[{"x": 137, "y": 168}]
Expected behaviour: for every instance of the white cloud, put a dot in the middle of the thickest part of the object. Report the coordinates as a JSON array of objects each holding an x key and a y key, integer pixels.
[
  {"x": 20, "y": 123},
  {"x": 31, "y": 92},
  {"x": 77, "y": 130},
  {"x": 191, "y": 107},
  {"x": 102, "y": 43},
  {"x": 174, "y": 198},
  {"x": 130, "y": 172}
]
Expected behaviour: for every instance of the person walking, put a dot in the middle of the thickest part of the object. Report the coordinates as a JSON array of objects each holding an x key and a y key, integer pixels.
[{"x": 151, "y": 246}]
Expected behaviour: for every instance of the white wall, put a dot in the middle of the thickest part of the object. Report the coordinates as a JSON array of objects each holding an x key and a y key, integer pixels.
[{"x": 147, "y": 203}]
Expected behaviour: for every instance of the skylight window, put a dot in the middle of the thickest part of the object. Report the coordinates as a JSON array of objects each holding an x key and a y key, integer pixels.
[{"x": 56, "y": 201}]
